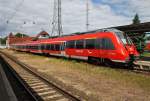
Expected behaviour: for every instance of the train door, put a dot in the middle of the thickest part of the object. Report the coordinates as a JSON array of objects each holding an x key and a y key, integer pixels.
[
  {"x": 62, "y": 49},
  {"x": 107, "y": 48},
  {"x": 91, "y": 49},
  {"x": 100, "y": 53},
  {"x": 79, "y": 47}
]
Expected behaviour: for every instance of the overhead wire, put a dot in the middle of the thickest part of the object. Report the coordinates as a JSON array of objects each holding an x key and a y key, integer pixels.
[
  {"x": 14, "y": 14},
  {"x": 16, "y": 10}
]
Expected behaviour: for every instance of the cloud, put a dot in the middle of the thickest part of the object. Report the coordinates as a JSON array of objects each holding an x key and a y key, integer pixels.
[{"x": 102, "y": 13}]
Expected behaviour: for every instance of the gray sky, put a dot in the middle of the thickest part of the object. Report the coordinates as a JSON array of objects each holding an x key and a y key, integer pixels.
[{"x": 103, "y": 13}]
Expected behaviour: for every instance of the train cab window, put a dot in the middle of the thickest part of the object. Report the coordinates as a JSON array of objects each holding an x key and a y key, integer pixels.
[
  {"x": 80, "y": 44},
  {"x": 107, "y": 44},
  {"x": 90, "y": 43},
  {"x": 70, "y": 44}
]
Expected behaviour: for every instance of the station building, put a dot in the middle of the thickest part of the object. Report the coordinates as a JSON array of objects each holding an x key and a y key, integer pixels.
[{"x": 12, "y": 39}]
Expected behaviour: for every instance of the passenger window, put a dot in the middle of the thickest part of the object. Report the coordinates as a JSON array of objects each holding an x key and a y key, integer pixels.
[
  {"x": 57, "y": 47},
  {"x": 42, "y": 47},
  {"x": 37, "y": 47},
  {"x": 52, "y": 47},
  {"x": 90, "y": 43},
  {"x": 80, "y": 44},
  {"x": 107, "y": 44},
  {"x": 99, "y": 44},
  {"x": 48, "y": 47},
  {"x": 70, "y": 44}
]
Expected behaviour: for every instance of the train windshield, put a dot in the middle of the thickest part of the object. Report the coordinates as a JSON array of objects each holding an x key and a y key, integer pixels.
[{"x": 122, "y": 36}]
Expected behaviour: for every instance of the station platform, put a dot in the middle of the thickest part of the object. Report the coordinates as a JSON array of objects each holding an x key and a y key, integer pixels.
[{"x": 6, "y": 92}]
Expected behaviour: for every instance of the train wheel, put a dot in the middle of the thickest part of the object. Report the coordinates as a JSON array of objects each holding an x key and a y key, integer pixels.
[
  {"x": 109, "y": 63},
  {"x": 94, "y": 60},
  {"x": 89, "y": 60},
  {"x": 130, "y": 65}
]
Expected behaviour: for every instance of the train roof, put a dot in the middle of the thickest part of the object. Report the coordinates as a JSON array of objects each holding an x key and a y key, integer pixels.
[
  {"x": 56, "y": 39},
  {"x": 90, "y": 32},
  {"x": 73, "y": 37}
]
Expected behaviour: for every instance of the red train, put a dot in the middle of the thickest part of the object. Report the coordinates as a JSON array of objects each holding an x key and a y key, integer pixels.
[
  {"x": 99, "y": 46},
  {"x": 147, "y": 48}
]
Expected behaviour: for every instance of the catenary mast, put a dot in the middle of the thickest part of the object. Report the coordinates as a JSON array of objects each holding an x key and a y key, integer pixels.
[{"x": 57, "y": 25}]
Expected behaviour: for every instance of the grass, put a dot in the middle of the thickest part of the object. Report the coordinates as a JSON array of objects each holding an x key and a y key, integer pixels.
[
  {"x": 124, "y": 76},
  {"x": 147, "y": 54}
]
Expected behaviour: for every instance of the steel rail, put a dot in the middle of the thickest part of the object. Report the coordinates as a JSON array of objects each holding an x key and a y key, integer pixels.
[{"x": 20, "y": 80}]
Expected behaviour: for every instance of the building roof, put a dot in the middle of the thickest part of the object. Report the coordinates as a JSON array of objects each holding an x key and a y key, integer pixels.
[
  {"x": 10, "y": 34},
  {"x": 13, "y": 39},
  {"x": 42, "y": 33},
  {"x": 140, "y": 28}
]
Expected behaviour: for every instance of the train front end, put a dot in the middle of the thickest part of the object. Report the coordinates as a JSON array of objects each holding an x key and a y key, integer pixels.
[{"x": 129, "y": 49}]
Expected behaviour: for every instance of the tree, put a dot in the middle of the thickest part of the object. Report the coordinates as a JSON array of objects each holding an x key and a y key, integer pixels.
[
  {"x": 148, "y": 38},
  {"x": 136, "y": 19},
  {"x": 3, "y": 40},
  {"x": 139, "y": 40},
  {"x": 20, "y": 35}
]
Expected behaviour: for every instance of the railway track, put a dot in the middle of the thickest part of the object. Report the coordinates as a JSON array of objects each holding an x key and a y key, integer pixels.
[
  {"x": 43, "y": 90},
  {"x": 19, "y": 90},
  {"x": 142, "y": 67},
  {"x": 39, "y": 87}
]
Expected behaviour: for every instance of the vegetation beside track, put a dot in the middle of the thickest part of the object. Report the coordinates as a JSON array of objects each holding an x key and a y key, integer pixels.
[
  {"x": 106, "y": 83},
  {"x": 117, "y": 74},
  {"x": 146, "y": 54}
]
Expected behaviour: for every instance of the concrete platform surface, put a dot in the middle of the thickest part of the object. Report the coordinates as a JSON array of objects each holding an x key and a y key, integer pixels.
[{"x": 6, "y": 92}]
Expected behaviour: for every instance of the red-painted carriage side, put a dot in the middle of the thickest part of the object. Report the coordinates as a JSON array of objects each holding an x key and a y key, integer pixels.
[
  {"x": 148, "y": 46},
  {"x": 121, "y": 52}
]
